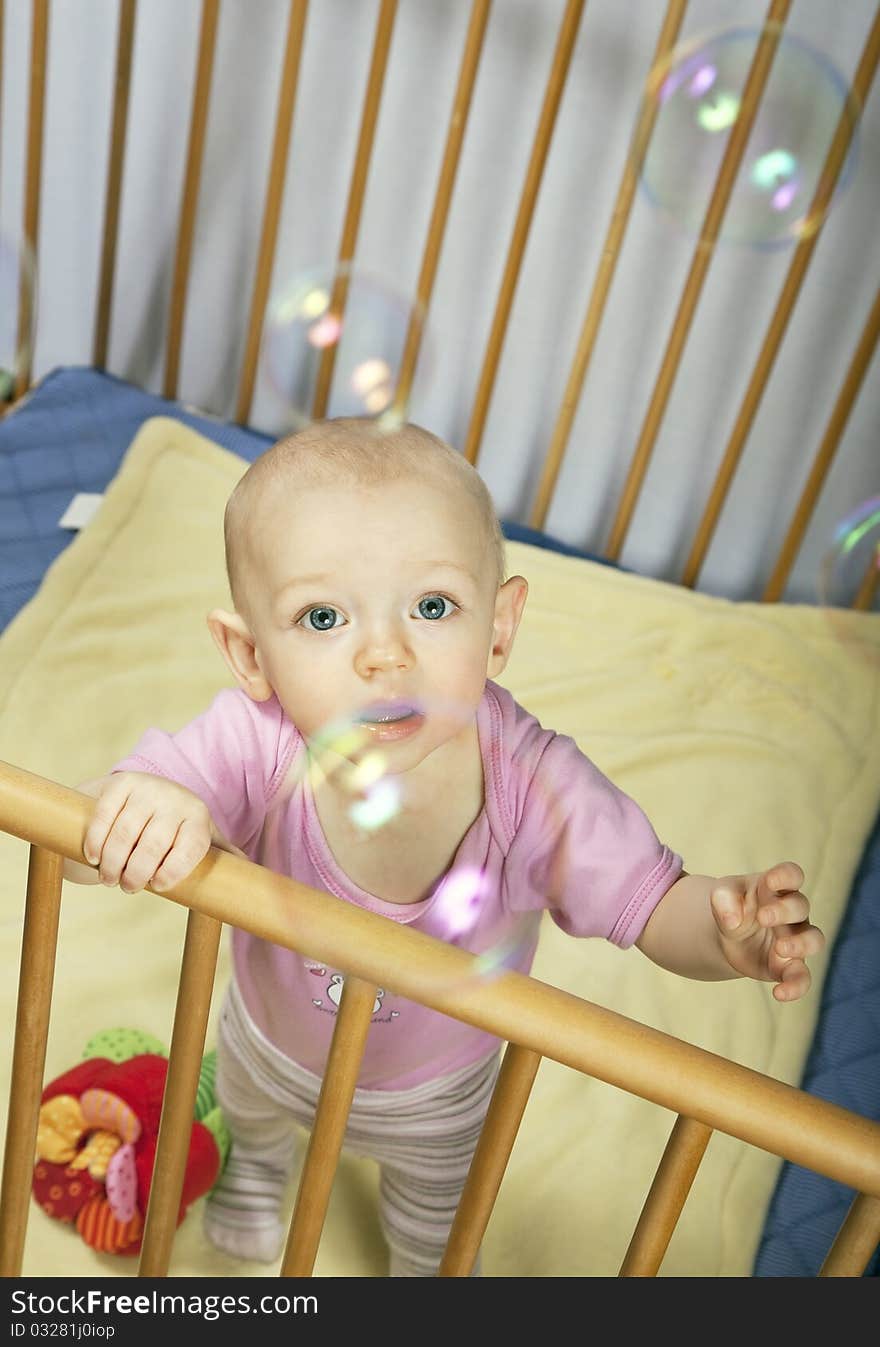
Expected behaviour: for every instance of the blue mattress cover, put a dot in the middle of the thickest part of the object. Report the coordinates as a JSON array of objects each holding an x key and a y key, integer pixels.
[{"x": 70, "y": 435}]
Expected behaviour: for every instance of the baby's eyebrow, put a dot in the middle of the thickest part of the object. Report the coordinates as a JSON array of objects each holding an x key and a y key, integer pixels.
[
  {"x": 325, "y": 578},
  {"x": 321, "y": 578},
  {"x": 452, "y": 566}
]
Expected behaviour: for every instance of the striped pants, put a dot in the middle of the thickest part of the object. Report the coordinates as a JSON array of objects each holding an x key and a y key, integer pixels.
[{"x": 422, "y": 1138}]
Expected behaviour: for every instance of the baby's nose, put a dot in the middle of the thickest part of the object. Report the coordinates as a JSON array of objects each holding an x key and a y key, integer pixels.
[{"x": 383, "y": 651}]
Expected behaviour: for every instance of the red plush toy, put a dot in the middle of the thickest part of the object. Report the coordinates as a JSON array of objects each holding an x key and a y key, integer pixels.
[{"x": 97, "y": 1134}]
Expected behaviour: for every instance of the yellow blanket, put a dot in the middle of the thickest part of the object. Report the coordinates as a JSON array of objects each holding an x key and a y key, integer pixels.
[{"x": 750, "y": 733}]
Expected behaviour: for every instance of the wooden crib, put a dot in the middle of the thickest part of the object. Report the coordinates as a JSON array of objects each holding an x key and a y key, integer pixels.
[
  {"x": 536, "y": 1020},
  {"x": 706, "y": 1092}
]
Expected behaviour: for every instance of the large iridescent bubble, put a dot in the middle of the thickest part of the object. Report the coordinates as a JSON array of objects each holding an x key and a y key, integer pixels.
[
  {"x": 334, "y": 343},
  {"x": 694, "y": 100}
]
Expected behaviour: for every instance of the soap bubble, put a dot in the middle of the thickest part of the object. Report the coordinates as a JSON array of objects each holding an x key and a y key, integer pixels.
[
  {"x": 359, "y": 765},
  {"x": 849, "y": 579},
  {"x": 17, "y": 313},
  {"x": 694, "y": 98},
  {"x": 339, "y": 332}
]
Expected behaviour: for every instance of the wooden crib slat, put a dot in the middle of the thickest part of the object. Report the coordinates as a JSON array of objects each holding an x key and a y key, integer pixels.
[
  {"x": 196, "y": 984},
  {"x": 272, "y": 208},
  {"x": 356, "y": 191},
  {"x": 540, "y": 148},
  {"x": 37, "y": 971},
  {"x": 328, "y": 1131},
  {"x": 778, "y": 324},
  {"x": 856, "y": 1239},
  {"x": 36, "y": 109},
  {"x": 500, "y": 1127},
  {"x": 121, "y": 90},
  {"x": 821, "y": 464},
  {"x": 470, "y": 61},
  {"x": 189, "y": 203},
  {"x": 601, "y": 285},
  {"x": 754, "y": 87},
  {"x": 666, "y": 1198}
]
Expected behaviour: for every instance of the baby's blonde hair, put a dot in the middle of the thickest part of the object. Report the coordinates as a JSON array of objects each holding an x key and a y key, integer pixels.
[{"x": 358, "y": 452}]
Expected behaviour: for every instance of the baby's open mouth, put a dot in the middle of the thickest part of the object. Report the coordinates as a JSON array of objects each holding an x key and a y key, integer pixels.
[
  {"x": 387, "y": 722},
  {"x": 387, "y": 713}
]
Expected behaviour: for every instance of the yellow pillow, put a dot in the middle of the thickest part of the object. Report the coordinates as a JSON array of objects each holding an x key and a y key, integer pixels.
[{"x": 748, "y": 732}]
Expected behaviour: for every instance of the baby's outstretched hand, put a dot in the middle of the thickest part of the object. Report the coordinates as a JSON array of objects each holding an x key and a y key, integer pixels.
[
  {"x": 765, "y": 930},
  {"x": 146, "y": 830}
]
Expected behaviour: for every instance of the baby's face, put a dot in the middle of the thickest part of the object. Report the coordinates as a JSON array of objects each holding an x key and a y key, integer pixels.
[{"x": 369, "y": 602}]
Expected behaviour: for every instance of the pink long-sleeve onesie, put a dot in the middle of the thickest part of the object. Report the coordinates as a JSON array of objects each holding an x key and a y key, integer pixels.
[{"x": 554, "y": 834}]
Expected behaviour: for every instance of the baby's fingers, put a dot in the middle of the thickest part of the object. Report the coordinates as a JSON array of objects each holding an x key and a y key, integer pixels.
[
  {"x": 794, "y": 981},
  {"x": 120, "y": 839},
  {"x": 148, "y": 853},
  {"x": 799, "y": 942},
  {"x": 784, "y": 911},
  {"x": 110, "y": 803},
  {"x": 786, "y": 877},
  {"x": 793, "y": 945},
  {"x": 189, "y": 846},
  {"x": 123, "y": 844}
]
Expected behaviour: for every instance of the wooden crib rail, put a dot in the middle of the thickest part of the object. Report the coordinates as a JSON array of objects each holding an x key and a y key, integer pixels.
[{"x": 705, "y": 1091}]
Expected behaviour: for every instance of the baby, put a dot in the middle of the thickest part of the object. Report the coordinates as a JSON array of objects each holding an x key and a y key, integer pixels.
[{"x": 367, "y": 575}]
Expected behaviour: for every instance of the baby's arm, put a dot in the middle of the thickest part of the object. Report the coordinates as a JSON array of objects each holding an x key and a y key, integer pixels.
[
  {"x": 754, "y": 926},
  {"x": 145, "y": 830}
]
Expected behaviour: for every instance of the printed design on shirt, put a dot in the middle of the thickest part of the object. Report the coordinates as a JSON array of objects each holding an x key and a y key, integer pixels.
[{"x": 333, "y": 993}]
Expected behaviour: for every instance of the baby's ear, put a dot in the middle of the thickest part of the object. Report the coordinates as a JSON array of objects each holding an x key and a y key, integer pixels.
[
  {"x": 232, "y": 637},
  {"x": 509, "y": 603}
]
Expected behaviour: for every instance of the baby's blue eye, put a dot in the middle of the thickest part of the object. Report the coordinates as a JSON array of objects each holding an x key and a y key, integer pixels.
[
  {"x": 435, "y": 606},
  {"x": 322, "y": 618}
]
